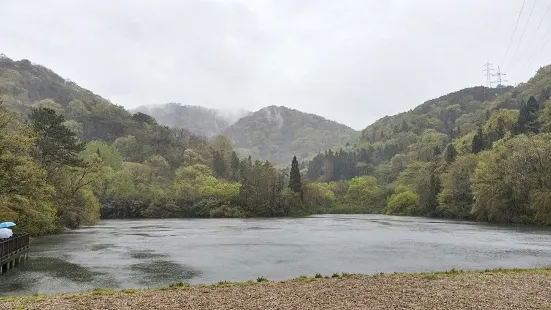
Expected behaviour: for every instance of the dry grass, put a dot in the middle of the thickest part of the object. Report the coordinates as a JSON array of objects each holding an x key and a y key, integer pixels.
[{"x": 493, "y": 289}]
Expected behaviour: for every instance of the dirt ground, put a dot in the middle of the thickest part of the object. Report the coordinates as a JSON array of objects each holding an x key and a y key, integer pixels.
[{"x": 527, "y": 289}]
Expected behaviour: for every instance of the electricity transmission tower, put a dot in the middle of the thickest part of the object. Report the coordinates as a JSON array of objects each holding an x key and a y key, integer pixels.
[
  {"x": 488, "y": 69},
  {"x": 499, "y": 77}
]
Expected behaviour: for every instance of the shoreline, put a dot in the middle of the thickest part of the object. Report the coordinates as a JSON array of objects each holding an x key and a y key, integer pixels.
[{"x": 524, "y": 288}]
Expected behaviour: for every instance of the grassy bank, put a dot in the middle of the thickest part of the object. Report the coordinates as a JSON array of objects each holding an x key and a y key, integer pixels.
[{"x": 493, "y": 289}]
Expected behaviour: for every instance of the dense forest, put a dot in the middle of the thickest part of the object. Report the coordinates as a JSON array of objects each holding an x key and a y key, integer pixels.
[
  {"x": 478, "y": 153},
  {"x": 276, "y": 133},
  {"x": 69, "y": 157}
]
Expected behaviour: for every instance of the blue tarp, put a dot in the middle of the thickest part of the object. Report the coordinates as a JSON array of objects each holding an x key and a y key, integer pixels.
[{"x": 7, "y": 224}]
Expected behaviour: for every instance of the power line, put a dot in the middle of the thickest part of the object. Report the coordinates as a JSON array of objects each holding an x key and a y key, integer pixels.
[
  {"x": 548, "y": 35},
  {"x": 514, "y": 31},
  {"x": 535, "y": 33},
  {"x": 523, "y": 32},
  {"x": 488, "y": 69}
]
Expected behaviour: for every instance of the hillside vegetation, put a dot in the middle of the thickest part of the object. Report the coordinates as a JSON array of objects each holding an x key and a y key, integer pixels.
[
  {"x": 199, "y": 120},
  {"x": 68, "y": 156},
  {"x": 277, "y": 133},
  {"x": 478, "y": 153}
]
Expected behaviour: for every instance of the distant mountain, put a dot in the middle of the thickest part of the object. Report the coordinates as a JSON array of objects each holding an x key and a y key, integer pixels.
[
  {"x": 25, "y": 85},
  {"x": 199, "y": 120},
  {"x": 277, "y": 133}
]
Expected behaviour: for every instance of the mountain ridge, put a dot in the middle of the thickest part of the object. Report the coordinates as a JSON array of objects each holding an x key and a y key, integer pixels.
[{"x": 277, "y": 133}]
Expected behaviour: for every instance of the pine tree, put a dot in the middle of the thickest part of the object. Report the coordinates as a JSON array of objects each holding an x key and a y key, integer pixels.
[
  {"x": 234, "y": 167},
  {"x": 295, "y": 183},
  {"x": 56, "y": 145},
  {"x": 219, "y": 165},
  {"x": 500, "y": 128},
  {"x": 479, "y": 141},
  {"x": 528, "y": 118},
  {"x": 451, "y": 153}
]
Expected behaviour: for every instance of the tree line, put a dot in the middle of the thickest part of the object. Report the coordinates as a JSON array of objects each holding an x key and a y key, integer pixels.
[{"x": 496, "y": 171}]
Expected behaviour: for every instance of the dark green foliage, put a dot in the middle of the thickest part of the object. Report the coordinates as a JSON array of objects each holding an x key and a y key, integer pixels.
[
  {"x": 428, "y": 188},
  {"x": 261, "y": 279},
  {"x": 56, "y": 145},
  {"x": 451, "y": 153},
  {"x": 295, "y": 182},
  {"x": 143, "y": 118},
  {"x": 480, "y": 141},
  {"x": 219, "y": 165},
  {"x": 500, "y": 128},
  {"x": 235, "y": 174},
  {"x": 528, "y": 121},
  {"x": 334, "y": 166}
]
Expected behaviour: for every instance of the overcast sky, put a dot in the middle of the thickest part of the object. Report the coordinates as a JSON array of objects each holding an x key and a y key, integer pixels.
[{"x": 350, "y": 61}]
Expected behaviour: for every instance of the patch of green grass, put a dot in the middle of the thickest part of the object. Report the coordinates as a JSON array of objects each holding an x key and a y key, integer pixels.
[
  {"x": 102, "y": 291},
  {"x": 178, "y": 285},
  {"x": 225, "y": 283},
  {"x": 301, "y": 278},
  {"x": 262, "y": 279},
  {"x": 430, "y": 276},
  {"x": 129, "y": 290}
]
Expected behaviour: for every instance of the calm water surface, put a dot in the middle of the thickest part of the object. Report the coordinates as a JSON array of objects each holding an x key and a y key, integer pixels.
[{"x": 153, "y": 253}]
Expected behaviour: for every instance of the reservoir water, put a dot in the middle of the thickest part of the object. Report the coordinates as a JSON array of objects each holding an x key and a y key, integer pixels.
[{"x": 153, "y": 253}]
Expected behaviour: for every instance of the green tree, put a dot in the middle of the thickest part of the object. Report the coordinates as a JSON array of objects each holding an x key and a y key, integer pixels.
[
  {"x": 456, "y": 199},
  {"x": 219, "y": 164},
  {"x": 56, "y": 145},
  {"x": 403, "y": 203},
  {"x": 25, "y": 195},
  {"x": 528, "y": 118},
  {"x": 479, "y": 141},
  {"x": 451, "y": 153},
  {"x": 295, "y": 182},
  {"x": 235, "y": 174}
]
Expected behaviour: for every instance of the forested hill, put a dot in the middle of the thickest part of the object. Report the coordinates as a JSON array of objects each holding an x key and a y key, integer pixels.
[
  {"x": 489, "y": 143},
  {"x": 199, "y": 120},
  {"x": 276, "y": 133},
  {"x": 25, "y": 86},
  {"x": 68, "y": 156}
]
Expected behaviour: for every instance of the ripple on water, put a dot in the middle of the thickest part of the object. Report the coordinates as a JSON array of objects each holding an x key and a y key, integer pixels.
[
  {"x": 60, "y": 268},
  {"x": 145, "y": 254},
  {"x": 161, "y": 271},
  {"x": 102, "y": 246}
]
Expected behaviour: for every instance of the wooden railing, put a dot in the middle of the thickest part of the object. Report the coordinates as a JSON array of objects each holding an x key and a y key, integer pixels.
[{"x": 13, "y": 247}]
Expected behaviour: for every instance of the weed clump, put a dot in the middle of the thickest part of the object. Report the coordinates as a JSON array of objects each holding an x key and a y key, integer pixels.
[{"x": 261, "y": 279}]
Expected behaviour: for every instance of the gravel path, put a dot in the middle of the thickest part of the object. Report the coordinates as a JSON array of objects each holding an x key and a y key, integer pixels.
[{"x": 470, "y": 290}]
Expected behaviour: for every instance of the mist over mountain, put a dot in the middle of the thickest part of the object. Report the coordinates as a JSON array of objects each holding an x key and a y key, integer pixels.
[{"x": 197, "y": 119}]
